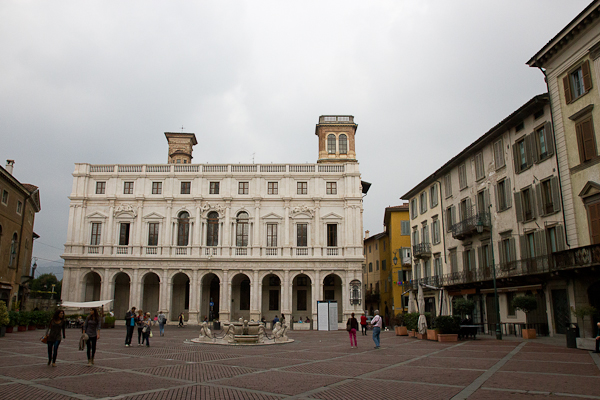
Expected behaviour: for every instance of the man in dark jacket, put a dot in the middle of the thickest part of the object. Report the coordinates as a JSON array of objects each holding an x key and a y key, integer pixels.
[{"x": 130, "y": 324}]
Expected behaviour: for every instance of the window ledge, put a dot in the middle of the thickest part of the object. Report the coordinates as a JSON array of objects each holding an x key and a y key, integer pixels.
[
  {"x": 583, "y": 112},
  {"x": 585, "y": 165}
]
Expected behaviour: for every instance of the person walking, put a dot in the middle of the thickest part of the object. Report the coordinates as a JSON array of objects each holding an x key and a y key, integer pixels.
[
  {"x": 57, "y": 324},
  {"x": 363, "y": 324},
  {"x": 130, "y": 325},
  {"x": 180, "y": 320},
  {"x": 140, "y": 326},
  {"x": 162, "y": 320},
  {"x": 352, "y": 327},
  {"x": 147, "y": 329},
  {"x": 597, "y": 339},
  {"x": 376, "y": 322},
  {"x": 91, "y": 327}
]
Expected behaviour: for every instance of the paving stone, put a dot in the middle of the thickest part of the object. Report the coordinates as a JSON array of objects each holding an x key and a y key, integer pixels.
[
  {"x": 583, "y": 369},
  {"x": 11, "y": 361},
  {"x": 203, "y": 392},
  {"x": 486, "y": 394},
  {"x": 359, "y": 390},
  {"x": 197, "y": 372},
  {"x": 279, "y": 382},
  {"x": 260, "y": 362},
  {"x": 17, "y": 391},
  {"x": 339, "y": 368},
  {"x": 553, "y": 383},
  {"x": 377, "y": 358},
  {"x": 135, "y": 362},
  {"x": 454, "y": 362},
  {"x": 197, "y": 356},
  {"x": 33, "y": 372},
  {"x": 430, "y": 375},
  {"x": 538, "y": 356}
]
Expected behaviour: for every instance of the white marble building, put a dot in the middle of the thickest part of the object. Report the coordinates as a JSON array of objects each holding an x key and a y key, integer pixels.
[{"x": 252, "y": 240}]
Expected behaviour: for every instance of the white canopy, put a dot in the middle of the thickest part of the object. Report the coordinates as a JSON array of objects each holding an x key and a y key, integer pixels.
[{"x": 85, "y": 304}]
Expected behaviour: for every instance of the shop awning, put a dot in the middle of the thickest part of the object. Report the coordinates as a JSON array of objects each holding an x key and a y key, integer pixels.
[{"x": 85, "y": 304}]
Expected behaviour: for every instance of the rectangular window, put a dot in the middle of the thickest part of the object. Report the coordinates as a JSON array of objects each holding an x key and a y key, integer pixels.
[
  {"x": 548, "y": 195},
  {"x": 271, "y": 235},
  {"x": 383, "y": 265},
  {"x": 331, "y": 187},
  {"x": 522, "y": 154},
  {"x": 243, "y": 187},
  {"x": 507, "y": 253},
  {"x": 376, "y": 265},
  {"x": 302, "y": 187},
  {"x": 577, "y": 82},
  {"x": 485, "y": 260},
  {"x": 423, "y": 201},
  {"x": 462, "y": 176},
  {"x": 479, "y": 167},
  {"x": 96, "y": 233},
  {"x": 153, "y": 233},
  {"x": 503, "y": 197},
  {"x": 370, "y": 267},
  {"x": 156, "y": 187},
  {"x": 301, "y": 300},
  {"x": 544, "y": 142},
  {"x": 124, "y": 234},
  {"x": 510, "y": 309},
  {"x": 435, "y": 229},
  {"x": 453, "y": 260},
  {"x": 241, "y": 233},
  {"x": 273, "y": 300},
  {"x": 437, "y": 266},
  {"x": 448, "y": 185},
  {"x": 331, "y": 235},
  {"x": 450, "y": 217},
  {"x": 415, "y": 237},
  {"x": 186, "y": 187},
  {"x": 524, "y": 205},
  {"x": 19, "y": 207},
  {"x": 272, "y": 188},
  {"x": 404, "y": 229},
  {"x": 433, "y": 196},
  {"x": 499, "y": 154},
  {"x": 302, "y": 235},
  {"x": 413, "y": 209},
  {"x": 4, "y": 197},
  {"x": 586, "y": 140},
  {"x": 469, "y": 260},
  {"x": 425, "y": 233},
  {"x": 100, "y": 187},
  {"x": 214, "y": 188},
  {"x": 127, "y": 187}
]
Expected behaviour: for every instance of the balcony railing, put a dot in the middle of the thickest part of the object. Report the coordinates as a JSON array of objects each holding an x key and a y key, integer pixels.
[
  {"x": 422, "y": 250},
  {"x": 241, "y": 251},
  {"x": 468, "y": 226},
  {"x": 271, "y": 251},
  {"x": 332, "y": 251},
  {"x": 585, "y": 256}
]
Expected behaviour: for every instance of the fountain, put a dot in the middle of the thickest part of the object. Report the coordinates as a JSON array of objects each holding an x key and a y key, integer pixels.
[{"x": 244, "y": 333}]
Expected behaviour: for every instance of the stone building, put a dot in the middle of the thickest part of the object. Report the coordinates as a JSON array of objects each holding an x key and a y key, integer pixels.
[
  {"x": 221, "y": 241},
  {"x": 19, "y": 202}
]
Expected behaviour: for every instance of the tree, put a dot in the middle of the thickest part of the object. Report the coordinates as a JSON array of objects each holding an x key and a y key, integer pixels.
[
  {"x": 525, "y": 304},
  {"x": 582, "y": 312},
  {"x": 43, "y": 283},
  {"x": 463, "y": 307}
]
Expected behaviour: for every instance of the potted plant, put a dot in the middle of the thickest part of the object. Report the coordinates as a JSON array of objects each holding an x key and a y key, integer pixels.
[
  {"x": 401, "y": 329},
  {"x": 432, "y": 333},
  {"x": 12, "y": 321},
  {"x": 22, "y": 321},
  {"x": 448, "y": 326},
  {"x": 463, "y": 307},
  {"x": 411, "y": 321},
  {"x": 4, "y": 320},
  {"x": 109, "y": 322},
  {"x": 526, "y": 304},
  {"x": 582, "y": 312},
  {"x": 30, "y": 320}
]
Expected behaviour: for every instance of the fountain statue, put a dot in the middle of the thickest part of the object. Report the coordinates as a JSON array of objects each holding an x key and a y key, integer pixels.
[{"x": 244, "y": 332}]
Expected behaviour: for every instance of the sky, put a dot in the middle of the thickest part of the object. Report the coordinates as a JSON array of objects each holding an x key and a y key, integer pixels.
[{"x": 101, "y": 81}]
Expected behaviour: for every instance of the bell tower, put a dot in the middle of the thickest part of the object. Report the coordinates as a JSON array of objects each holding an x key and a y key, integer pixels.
[
  {"x": 336, "y": 138},
  {"x": 180, "y": 147}
]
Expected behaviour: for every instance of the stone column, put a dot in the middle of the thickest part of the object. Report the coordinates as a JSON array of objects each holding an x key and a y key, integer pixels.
[
  {"x": 316, "y": 293},
  {"x": 225, "y": 293},
  {"x": 134, "y": 291},
  {"x": 165, "y": 293},
  {"x": 286, "y": 228},
  {"x": 197, "y": 229},
  {"x": 168, "y": 241},
  {"x": 256, "y": 237},
  {"x": 138, "y": 241},
  {"x": 193, "y": 312},
  {"x": 286, "y": 293},
  {"x": 104, "y": 293},
  {"x": 227, "y": 225},
  {"x": 318, "y": 241},
  {"x": 254, "y": 309}
]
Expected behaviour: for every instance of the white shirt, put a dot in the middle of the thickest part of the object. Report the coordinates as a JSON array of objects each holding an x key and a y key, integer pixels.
[{"x": 377, "y": 321}]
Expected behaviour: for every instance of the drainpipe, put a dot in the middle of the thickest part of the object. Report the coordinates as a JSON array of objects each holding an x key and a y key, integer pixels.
[{"x": 562, "y": 202}]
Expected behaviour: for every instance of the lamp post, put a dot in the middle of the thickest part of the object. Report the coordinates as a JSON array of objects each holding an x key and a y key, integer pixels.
[{"x": 480, "y": 230}]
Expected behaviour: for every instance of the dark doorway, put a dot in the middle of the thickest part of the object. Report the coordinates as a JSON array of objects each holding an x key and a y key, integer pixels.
[{"x": 560, "y": 305}]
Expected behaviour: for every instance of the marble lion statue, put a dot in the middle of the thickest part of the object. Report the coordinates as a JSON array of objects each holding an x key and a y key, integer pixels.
[
  {"x": 230, "y": 333},
  {"x": 205, "y": 331}
]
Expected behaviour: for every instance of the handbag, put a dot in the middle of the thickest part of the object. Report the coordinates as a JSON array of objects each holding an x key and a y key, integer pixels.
[
  {"x": 145, "y": 329},
  {"x": 44, "y": 339},
  {"x": 150, "y": 334}
]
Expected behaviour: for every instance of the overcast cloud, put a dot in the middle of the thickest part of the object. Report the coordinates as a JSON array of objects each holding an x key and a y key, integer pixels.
[{"x": 99, "y": 82}]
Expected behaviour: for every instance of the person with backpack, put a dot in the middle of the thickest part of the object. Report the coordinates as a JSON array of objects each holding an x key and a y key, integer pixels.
[
  {"x": 162, "y": 320},
  {"x": 130, "y": 325}
]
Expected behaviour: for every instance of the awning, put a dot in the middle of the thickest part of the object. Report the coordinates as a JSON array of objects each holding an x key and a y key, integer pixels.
[{"x": 85, "y": 304}]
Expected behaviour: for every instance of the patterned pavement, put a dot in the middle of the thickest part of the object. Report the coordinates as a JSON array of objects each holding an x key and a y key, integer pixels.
[{"x": 318, "y": 365}]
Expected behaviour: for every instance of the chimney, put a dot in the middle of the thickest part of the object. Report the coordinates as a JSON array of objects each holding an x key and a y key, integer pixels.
[
  {"x": 9, "y": 166},
  {"x": 366, "y": 234}
]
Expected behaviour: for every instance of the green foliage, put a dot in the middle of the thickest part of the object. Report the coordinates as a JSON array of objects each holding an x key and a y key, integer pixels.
[
  {"x": 41, "y": 287},
  {"x": 411, "y": 320},
  {"x": 23, "y": 318},
  {"x": 463, "y": 307},
  {"x": 109, "y": 320},
  {"x": 41, "y": 317},
  {"x": 12, "y": 318},
  {"x": 4, "y": 320},
  {"x": 582, "y": 312},
  {"x": 525, "y": 303},
  {"x": 448, "y": 324},
  {"x": 399, "y": 319}
]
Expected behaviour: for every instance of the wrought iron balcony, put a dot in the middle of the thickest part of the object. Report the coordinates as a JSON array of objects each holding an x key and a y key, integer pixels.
[
  {"x": 422, "y": 250},
  {"x": 468, "y": 226},
  {"x": 586, "y": 256}
]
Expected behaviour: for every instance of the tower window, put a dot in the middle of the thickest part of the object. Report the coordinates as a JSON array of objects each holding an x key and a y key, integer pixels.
[
  {"x": 331, "y": 144},
  {"x": 343, "y": 144}
]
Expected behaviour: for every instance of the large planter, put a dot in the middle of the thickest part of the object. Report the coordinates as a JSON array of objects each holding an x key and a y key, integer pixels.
[
  {"x": 31, "y": 328},
  {"x": 586, "y": 343},
  {"x": 401, "y": 331},
  {"x": 9, "y": 329},
  {"x": 2, "y": 331},
  {"x": 411, "y": 333},
  {"x": 421, "y": 335},
  {"x": 22, "y": 328},
  {"x": 432, "y": 334},
  {"x": 447, "y": 337},
  {"x": 528, "y": 333}
]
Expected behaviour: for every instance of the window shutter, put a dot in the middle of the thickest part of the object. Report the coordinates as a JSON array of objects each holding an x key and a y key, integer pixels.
[
  {"x": 532, "y": 201},
  {"x": 579, "y": 134},
  {"x": 549, "y": 138},
  {"x": 516, "y": 158},
  {"x": 469, "y": 209},
  {"x": 518, "y": 208},
  {"x": 560, "y": 238},
  {"x": 508, "y": 192},
  {"x": 529, "y": 149},
  {"x": 587, "y": 134},
  {"x": 501, "y": 252},
  {"x": 480, "y": 257},
  {"x": 540, "y": 203},
  {"x": 486, "y": 200},
  {"x": 535, "y": 146},
  {"x": 497, "y": 197},
  {"x": 567, "y": 88},
  {"x": 523, "y": 245},
  {"x": 587, "y": 77},
  {"x": 555, "y": 194},
  {"x": 513, "y": 249},
  {"x": 540, "y": 243}
]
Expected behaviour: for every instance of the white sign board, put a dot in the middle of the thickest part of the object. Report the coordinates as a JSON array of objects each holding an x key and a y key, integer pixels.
[
  {"x": 323, "y": 316},
  {"x": 333, "y": 316}
]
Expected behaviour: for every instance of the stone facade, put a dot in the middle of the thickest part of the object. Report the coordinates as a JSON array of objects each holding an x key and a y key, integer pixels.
[{"x": 221, "y": 241}]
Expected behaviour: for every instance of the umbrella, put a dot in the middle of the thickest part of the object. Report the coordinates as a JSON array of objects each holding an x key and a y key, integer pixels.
[
  {"x": 422, "y": 320},
  {"x": 443, "y": 308},
  {"x": 411, "y": 302}
]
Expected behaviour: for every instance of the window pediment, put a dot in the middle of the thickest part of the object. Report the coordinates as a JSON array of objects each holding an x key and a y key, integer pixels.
[
  {"x": 331, "y": 217},
  {"x": 590, "y": 189},
  {"x": 153, "y": 216},
  {"x": 97, "y": 215},
  {"x": 272, "y": 217}
]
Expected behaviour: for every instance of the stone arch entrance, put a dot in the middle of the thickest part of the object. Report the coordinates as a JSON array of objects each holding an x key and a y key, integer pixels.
[
  {"x": 92, "y": 284},
  {"x": 121, "y": 295},
  {"x": 332, "y": 290},
  {"x": 180, "y": 296},
  {"x": 271, "y": 297},
  {"x": 211, "y": 293},
  {"x": 240, "y": 297},
  {"x": 302, "y": 297},
  {"x": 150, "y": 293}
]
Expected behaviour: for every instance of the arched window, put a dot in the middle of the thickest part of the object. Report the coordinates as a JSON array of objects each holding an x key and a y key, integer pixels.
[
  {"x": 343, "y": 144},
  {"x": 212, "y": 234},
  {"x": 241, "y": 233},
  {"x": 183, "y": 228},
  {"x": 331, "y": 144},
  {"x": 13, "y": 249}
]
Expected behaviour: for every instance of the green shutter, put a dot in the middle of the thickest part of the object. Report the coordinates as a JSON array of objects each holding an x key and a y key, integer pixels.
[
  {"x": 518, "y": 207},
  {"x": 555, "y": 194},
  {"x": 549, "y": 134}
]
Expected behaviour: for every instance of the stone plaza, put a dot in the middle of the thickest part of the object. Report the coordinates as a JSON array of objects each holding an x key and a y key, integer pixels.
[{"x": 317, "y": 365}]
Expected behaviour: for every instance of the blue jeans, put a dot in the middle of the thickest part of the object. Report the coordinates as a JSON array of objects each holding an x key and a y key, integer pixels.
[
  {"x": 376, "y": 332},
  {"x": 161, "y": 328},
  {"x": 52, "y": 350}
]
